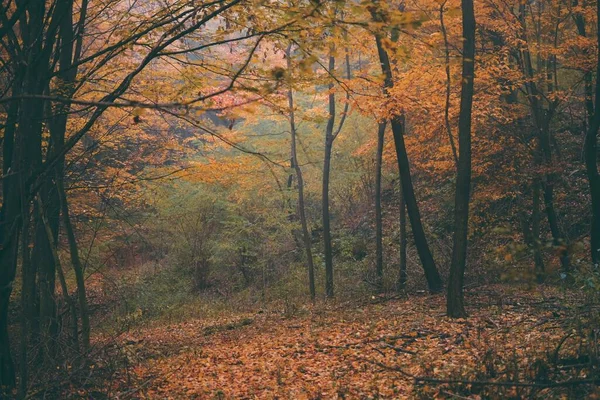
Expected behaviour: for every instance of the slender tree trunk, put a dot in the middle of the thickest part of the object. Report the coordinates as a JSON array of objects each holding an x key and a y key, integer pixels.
[
  {"x": 42, "y": 263},
  {"x": 328, "y": 254},
  {"x": 298, "y": 170},
  {"x": 434, "y": 281},
  {"x": 591, "y": 156},
  {"x": 59, "y": 270},
  {"x": 77, "y": 267},
  {"x": 535, "y": 227},
  {"x": 455, "y": 301},
  {"x": 330, "y": 137},
  {"x": 378, "y": 214},
  {"x": 57, "y": 121},
  {"x": 403, "y": 276},
  {"x": 448, "y": 85}
]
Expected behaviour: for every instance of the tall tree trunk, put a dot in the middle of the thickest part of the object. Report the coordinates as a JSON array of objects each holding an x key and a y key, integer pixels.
[
  {"x": 61, "y": 275},
  {"x": 434, "y": 281},
  {"x": 403, "y": 275},
  {"x": 42, "y": 264},
  {"x": 29, "y": 138},
  {"x": 57, "y": 121},
  {"x": 298, "y": 170},
  {"x": 328, "y": 254},
  {"x": 77, "y": 267},
  {"x": 378, "y": 214},
  {"x": 330, "y": 137},
  {"x": 10, "y": 227},
  {"x": 455, "y": 302},
  {"x": 591, "y": 147}
]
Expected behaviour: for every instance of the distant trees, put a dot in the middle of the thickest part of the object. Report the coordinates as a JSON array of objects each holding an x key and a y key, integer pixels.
[{"x": 64, "y": 64}]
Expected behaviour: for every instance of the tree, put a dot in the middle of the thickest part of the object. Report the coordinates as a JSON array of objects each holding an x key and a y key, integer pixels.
[
  {"x": 590, "y": 155},
  {"x": 455, "y": 303},
  {"x": 378, "y": 214},
  {"x": 330, "y": 136},
  {"x": 434, "y": 281},
  {"x": 300, "y": 182}
]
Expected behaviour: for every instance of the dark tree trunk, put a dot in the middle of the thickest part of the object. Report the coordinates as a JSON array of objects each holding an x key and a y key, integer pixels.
[
  {"x": 43, "y": 258},
  {"x": 328, "y": 254},
  {"x": 10, "y": 227},
  {"x": 455, "y": 301},
  {"x": 434, "y": 281},
  {"x": 403, "y": 276},
  {"x": 591, "y": 159},
  {"x": 448, "y": 85},
  {"x": 330, "y": 137},
  {"x": 42, "y": 265},
  {"x": 37, "y": 33},
  {"x": 378, "y": 213},
  {"x": 61, "y": 277},
  {"x": 298, "y": 171},
  {"x": 78, "y": 268}
]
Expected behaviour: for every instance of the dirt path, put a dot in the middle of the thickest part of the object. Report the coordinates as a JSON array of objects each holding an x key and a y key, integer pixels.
[{"x": 354, "y": 353}]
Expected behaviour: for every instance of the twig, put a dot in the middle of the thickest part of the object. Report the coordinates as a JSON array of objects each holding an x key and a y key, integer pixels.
[{"x": 398, "y": 349}]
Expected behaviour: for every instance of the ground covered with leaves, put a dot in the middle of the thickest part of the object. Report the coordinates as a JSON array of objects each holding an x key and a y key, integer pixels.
[{"x": 538, "y": 343}]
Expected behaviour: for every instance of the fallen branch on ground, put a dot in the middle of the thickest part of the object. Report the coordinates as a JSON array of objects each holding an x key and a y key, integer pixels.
[{"x": 421, "y": 380}]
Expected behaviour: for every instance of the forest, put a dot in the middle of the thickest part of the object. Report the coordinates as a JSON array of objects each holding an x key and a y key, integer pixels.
[{"x": 301, "y": 199}]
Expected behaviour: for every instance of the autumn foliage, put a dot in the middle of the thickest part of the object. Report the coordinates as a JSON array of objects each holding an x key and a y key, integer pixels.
[{"x": 255, "y": 198}]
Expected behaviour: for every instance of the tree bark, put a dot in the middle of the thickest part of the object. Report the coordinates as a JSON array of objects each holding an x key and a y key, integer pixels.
[
  {"x": 378, "y": 213},
  {"x": 455, "y": 301}
]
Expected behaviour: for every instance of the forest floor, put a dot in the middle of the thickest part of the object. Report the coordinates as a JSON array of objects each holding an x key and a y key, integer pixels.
[{"x": 382, "y": 348}]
